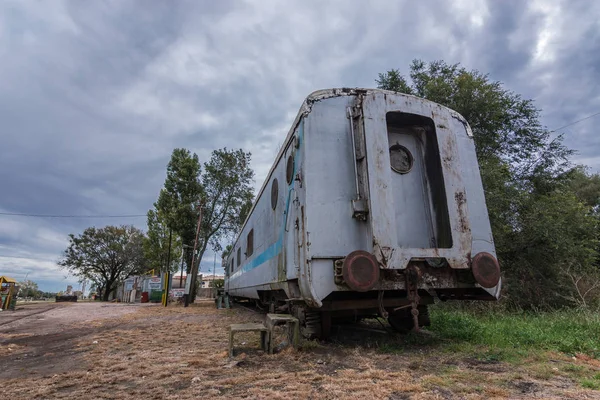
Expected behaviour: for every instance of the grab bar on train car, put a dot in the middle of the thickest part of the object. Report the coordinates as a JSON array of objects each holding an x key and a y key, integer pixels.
[{"x": 349, "y": 110}]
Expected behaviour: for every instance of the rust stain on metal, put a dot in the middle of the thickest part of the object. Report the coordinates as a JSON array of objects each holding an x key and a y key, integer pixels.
[
  {"x": 413, "y": 276},
  {"x": 382, "y": 253},
  {"x": 434, "y": 250},
  {"x": 461, "y": 202},
  {"x": 360, "y": 271},
  {"x": 458, "y": 117},
  {"x": 486, "y": 270},
  {"x": 303, "y": 225},
  {"x": 281, "y": 271},
  {"x": 379, "y": 161},
  {"x": 430, "y": 278},
  {"x": 448, "y": 151}
]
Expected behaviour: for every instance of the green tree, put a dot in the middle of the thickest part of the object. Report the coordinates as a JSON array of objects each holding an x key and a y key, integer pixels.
[
  {"x": 540, "y": 209},
  {"x": 556, "y": 240},
  {"x": 105, "y": 256},
  {"x": 226, "y": 251},
  {"x": 228, "y": 196},
  {"x": 222, "y": 189},
  {"x": 28, "y": 288},
  {"x": 244, "y": 211},
  {"x": 217, "y": 283},
  {"x": 393, "y": 80},
  {"x": 156, "y": 244},
  {"x": 177, "y": 205},
  {"x": 586, "y": 187}
]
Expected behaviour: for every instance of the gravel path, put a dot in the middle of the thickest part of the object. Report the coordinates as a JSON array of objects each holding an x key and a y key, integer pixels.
[
  {"x": 46, "y": 338},
  {"x": 46, "y": 318}
]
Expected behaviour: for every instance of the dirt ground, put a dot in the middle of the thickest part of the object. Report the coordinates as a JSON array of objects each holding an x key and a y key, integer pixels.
[{"x": 118, "y": 351}]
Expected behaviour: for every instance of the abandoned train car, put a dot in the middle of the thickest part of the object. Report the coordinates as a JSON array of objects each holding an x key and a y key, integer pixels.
[{"x": 374, "y": 205}]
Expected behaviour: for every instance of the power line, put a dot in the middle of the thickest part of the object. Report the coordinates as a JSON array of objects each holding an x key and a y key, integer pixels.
[
  {"x": 575, "y": 122},
  {"x": 72, "y": 216},
  {"x": 28, "y": 258}
]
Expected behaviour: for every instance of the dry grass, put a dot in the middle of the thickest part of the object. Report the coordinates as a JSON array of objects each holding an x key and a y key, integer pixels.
[{"x": 179, "y": 353}]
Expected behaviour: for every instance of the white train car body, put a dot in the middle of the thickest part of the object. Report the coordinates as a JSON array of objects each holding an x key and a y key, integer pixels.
[{"x": 368, "y": 185}]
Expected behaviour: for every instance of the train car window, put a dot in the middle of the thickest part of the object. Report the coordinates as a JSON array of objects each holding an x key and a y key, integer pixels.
[
  {"x": 231, "y": 266},
  {"x": 400, "y": 159},
  {"x": 250, "y": 243},
  {"x": 239, "y": 256},
  {"x": 274, "y": 193},
  {"x": 289, "y": 170}
]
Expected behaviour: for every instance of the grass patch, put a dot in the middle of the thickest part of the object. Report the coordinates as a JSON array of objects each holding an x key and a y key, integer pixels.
[
  {"x": 540, "y": 345},
  {"x": 591, "y": 384},
  {"x": 513, "y": 335}
]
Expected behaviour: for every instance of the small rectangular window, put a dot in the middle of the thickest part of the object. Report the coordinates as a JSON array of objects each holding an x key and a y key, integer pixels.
[
  {"x": 231, "y": 266},
  {"x": 239, "y": 256},
  {"x": 250, "y": 243}
]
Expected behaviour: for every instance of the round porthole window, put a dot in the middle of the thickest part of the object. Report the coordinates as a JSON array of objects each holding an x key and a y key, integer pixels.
[
  {"x": 274, "y": 193},
  {"x": 289, "y": 170},
  {"x": 401, "y": 159}
]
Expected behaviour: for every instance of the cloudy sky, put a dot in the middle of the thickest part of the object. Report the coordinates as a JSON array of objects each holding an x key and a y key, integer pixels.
[{"x": 94, "y": 95}]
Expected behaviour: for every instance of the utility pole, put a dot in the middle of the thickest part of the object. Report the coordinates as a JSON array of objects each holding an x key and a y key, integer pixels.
[
  {"x": 169, "y": 251},
  {"x": 214, "y": 272},
  {"x": 183, "y": 246},
  {"x": 167, "y": 274},
  {"x": 191, "y": 284},
  {"x": 214, "y": 268}
]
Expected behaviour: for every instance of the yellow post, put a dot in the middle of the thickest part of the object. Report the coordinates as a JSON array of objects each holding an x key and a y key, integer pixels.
[
  {"x": 9, "y": 283},
  {"x": 165, "y": 296}
]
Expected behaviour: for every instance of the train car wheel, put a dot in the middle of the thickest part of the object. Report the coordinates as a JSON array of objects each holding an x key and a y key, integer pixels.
[
  {"x": 311, "y": 328},
  {"x": 310, "y": 321},
  {"x": 402, "y": 320}
]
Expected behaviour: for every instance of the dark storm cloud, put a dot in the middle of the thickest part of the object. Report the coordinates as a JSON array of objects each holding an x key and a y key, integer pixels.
[
  {"x": 508, "y": 41},
  {"x": 566, "y": 75},
  {"x": 95, "y": 95}
]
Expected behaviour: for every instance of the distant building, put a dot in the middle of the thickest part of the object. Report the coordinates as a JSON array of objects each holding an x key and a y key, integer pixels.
[
  {"x": 206, "y": 280},
  {"x": 178, "y": 281}
]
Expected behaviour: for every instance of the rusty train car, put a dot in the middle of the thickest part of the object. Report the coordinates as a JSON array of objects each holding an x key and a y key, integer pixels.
[{"x": 374, "y": 205}]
